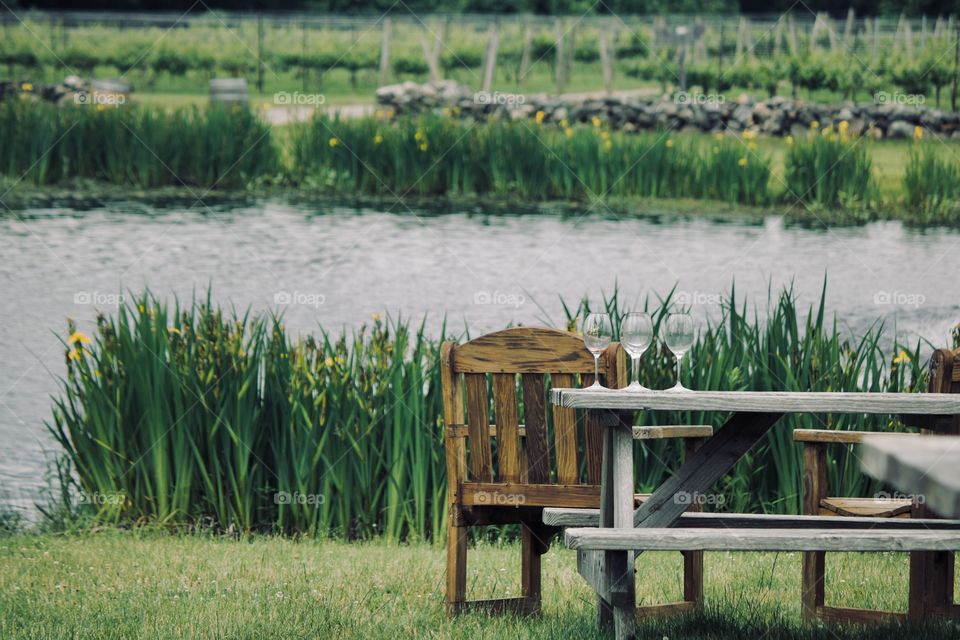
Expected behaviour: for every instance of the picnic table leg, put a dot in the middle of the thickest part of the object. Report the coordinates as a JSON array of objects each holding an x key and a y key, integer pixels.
[
  {"x": 620, "y": 569},
  {"x": 597, "y": 558}
]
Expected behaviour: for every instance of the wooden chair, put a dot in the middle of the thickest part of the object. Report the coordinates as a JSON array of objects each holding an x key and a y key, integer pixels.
[
  {"x": 507, "y": 472},
  {"x": 931, "y": 573}
]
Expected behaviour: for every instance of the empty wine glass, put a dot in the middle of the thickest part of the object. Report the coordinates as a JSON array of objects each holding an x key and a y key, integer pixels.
[
  {"x": 636, "y": 334},
  {"x": 679, "y": 337},
  {"x": 597, "y": 334}
]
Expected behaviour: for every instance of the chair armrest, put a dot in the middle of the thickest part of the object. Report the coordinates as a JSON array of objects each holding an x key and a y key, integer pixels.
[
  {"x": 672, "y": 431},
  {"x": 828, "y": 436}
]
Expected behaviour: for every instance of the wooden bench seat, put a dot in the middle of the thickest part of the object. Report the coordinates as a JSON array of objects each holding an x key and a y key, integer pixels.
[
  {"x": 789, "y": 539},
  {"x": 867, "y": 507}
]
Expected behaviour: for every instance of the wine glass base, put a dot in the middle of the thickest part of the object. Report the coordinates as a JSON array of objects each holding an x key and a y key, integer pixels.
[{"x": 636, "y": 386}]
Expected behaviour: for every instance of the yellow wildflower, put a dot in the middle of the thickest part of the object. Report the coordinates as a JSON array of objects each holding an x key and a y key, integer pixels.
[
  {"x": 141, "y": 308},
  {"x": 78, "y": 336},
  {"x": 815, "y": 125},
  {"x": 752, "y": 146},
  {"x": 334, "y": 142},
  {"x": 328, "y": 361},
  {"x": 564, "y": 123},
  {"x": 607, "y": 145},
  {"x": 376, "y": 317},
  {"x": 789, "y": 140},
  {"x": 918, "y": 132},
  {"x": 901, "y": 357},
  {"x": 377, "y": 139},
  {"x": 843, "y": 126},
  {"x": 669, "y": 143},
  {"x": 539, "y": 117},
  {"x": 445, "y": 111},
  {"x": 74, "y": 354},
  {"x": 423, "y": 146},
  {"x": 718, "y": 137},
  {"x": 569, "y": 132},
  {"x": 26, "y": 86},
  {"x": 749, "y": 134},
  {"x": 596, "y": 121},
  {"x": 742, "y": 162},
  {"x": 456, "y": 111},
  {"x": 418, "y": 136},
  {"x": 173, "y": 330}
]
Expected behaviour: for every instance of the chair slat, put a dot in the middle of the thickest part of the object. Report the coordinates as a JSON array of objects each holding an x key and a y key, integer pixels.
[
  {"x": 535, "y": 421},
  {"x": 478, "y": 424},
  {"x": 508, "y": 436},
  {"x": 565, "y": 435}
]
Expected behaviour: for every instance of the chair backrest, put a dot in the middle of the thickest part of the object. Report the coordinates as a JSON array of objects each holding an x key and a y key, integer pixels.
[
  {"x": 496, "y": 366},
  {"x": 944, "y": 377}
]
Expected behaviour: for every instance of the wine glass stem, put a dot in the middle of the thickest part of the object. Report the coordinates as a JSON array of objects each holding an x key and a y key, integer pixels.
[
  {"x": 596, "y": 369},
  {"x": 679, "y": 360},
  {"x": 635, "y": 362}
]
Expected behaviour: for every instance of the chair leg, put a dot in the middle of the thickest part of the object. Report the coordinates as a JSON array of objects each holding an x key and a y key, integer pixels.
[
  {"x": 931, "y": 578},
  {"x": 693, "y": 560},
  {"x": 530, "y": 569},
  {"x": 814, "y": 562},
  {"x": 456, "y": 569}
]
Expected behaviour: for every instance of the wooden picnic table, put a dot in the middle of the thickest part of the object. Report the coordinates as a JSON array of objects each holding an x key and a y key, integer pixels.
[
  {"x": 927, "y": 468},
  {"x": 605, "y": 557}
]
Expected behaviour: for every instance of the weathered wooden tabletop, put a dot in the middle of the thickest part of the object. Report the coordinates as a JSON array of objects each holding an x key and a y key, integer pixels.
[
  {"x": 927, "y": 468},
  {"x": 760, "y": 401}
]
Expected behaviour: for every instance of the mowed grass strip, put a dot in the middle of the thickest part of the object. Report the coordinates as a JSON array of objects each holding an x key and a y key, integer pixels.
[{"x": 116, "y": 584}]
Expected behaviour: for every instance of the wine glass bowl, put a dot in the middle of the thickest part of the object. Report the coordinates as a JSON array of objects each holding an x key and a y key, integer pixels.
[
  {"x": 636, "y": 334},
  {"x": 597, "y": 334},
  {"x": 679, "y": 339}
]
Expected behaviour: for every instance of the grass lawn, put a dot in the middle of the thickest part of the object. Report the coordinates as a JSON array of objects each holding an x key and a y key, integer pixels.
[{"x": 123, "y": 585}]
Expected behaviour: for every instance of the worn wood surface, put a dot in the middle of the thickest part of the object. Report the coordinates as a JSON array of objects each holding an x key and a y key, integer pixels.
[
  {"x": 529, "y": 495},
  {"x": 565, "y": 437},
  {"x": 508, "y": 426},
  {"x": 866, "y": 507},
  {"x": 928, "y": 467},
  {"x": 725, "y": 539},
  {"x": 525, "y": 350},
  {"x": 535, "y": 428},
  {"x": 672, "y": 431},
  {"x": 759, "y": 401},
  {"x": 478, "y": 423},
  {"x": 831, "y": 436}
]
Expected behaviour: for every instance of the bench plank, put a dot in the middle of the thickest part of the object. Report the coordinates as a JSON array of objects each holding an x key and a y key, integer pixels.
[{"x": 724, "y": 539}]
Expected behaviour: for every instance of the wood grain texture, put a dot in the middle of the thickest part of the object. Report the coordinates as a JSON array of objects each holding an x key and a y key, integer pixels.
[
  {"x": 831, "y": 436},
  {"x": 455, "y": 448},
  {"x": 565, "y": 435},
  {"x": 572, "y": 517},
  {"x": 672, "y": 431},
  {"x": 866, "y": 507},
  {"x": 929, "y": 467},
  {"x": 505, "y": 494},
  {"x": 813, "y": 571},
  {"x": 724, "y": 539},
  {"x": 478, "y": 424},
  {"x": 759, "y": 401},
  {"x": 508, "y": 427},
  {"x": 535, "y": 421},
  {"x": 525, "y": 350}
]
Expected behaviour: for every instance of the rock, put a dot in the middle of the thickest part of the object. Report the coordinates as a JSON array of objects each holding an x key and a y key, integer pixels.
[{"x": 900, "y": 129}]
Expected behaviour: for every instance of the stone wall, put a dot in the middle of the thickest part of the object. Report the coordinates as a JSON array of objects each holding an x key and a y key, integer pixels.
[{"x": 778, "y": 116}]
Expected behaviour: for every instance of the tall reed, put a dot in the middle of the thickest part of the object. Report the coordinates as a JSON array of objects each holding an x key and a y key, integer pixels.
[
  {"x": 931, "y": 183},
  {"x": 189, "y": 414},
  {"x": 829, "y": 169}
]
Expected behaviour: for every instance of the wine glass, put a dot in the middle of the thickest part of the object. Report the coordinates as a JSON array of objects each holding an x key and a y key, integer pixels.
[
  {"x": 679, "y": 337},
  {"x": 636, "y": 334},
  {"x": 597, "y": 333}
]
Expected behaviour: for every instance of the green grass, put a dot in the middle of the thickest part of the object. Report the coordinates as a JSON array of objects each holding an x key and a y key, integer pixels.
[{"x": 112, "y": 584}]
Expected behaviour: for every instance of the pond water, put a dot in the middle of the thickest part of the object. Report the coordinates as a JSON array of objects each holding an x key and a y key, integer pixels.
[{"x": 335, "y": 266}]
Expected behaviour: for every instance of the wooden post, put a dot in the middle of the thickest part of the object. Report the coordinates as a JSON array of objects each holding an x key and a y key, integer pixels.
[
  {"x": 814, "y": 562},
  {"x": 525, "y": 56},
  {"x": 260, "y": 53},
  {"x": 956, "y": 69},
  {"x": 432, "y": 55},
  {"x": 908, "y": 39},
  {"x": 815, "y": 32},
  {"x": 792, "y": 36},
  {"x": 490, "y": 64},
  {"x": 923, "y": 32},
  {"x": 303, "y": 56},
  {"x": 606, "y": 60},
  {"x": 559, "y": 55},
  {"x": 876, "y": 37},
  {"x": 848, "y": 28},
  {"x": 740, "y": 40},
  {"x": 778, "y": 37},
  {"x": 385, "y": 52}
]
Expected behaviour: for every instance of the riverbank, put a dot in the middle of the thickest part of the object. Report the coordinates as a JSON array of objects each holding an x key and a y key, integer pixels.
[{"x": 123, "y": 584}]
